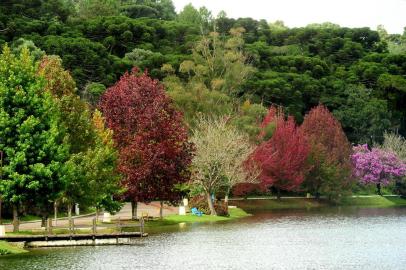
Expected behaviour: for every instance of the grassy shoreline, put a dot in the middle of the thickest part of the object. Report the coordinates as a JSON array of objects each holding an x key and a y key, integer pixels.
[
  {"x": 374, "y": 201},
  {"x": 235, "y": 213},
  {"x": 250, "y": 204},
  {"x": 308, "y": 203},
  {"x": 10, "y": 249},
  {"x": 240, "y": 212}
]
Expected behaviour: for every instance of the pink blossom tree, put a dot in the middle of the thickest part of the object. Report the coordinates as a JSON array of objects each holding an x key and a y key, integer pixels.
[{"x": 376, "y": 166}]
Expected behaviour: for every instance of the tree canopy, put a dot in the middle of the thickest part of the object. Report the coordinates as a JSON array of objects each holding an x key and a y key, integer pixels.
[
  {"x": 31, "y": 136},
  {"x": 343, "y": 68},
  {"x": 149, "y": 133}
]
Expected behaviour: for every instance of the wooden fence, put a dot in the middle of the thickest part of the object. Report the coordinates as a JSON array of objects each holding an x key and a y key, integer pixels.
[{"x": 73, "y": 228}]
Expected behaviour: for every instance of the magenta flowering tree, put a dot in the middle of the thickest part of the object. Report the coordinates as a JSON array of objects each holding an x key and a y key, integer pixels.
[{"x": 376, "y": 166}]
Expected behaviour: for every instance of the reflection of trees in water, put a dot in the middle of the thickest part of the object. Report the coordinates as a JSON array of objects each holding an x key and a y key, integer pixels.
[{"x": 261, "y": 210}]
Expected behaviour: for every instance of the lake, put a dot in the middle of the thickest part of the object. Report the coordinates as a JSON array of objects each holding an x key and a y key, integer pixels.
[{"x": 325, "y": 238}]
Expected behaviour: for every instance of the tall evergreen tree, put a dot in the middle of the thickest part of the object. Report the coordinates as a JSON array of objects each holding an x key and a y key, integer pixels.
[{"x": 31, "y": 137}]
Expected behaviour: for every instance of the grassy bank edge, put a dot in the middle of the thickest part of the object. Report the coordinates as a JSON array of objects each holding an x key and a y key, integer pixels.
[
  {"x": 374, "y": 201},
  {"x": 306, "y": 203},
  {"x": 235, "y": 213},
  {"x": 9, "y": 249}
]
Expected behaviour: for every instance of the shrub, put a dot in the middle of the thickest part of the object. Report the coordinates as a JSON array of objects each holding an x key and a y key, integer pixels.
[
  {"x": 400, "y": 187},
  {"x": 221, "y": 209},
  {"x": 4, "y": 252},
  {"x": 247, "y": 189},
  {"x": 200, "y": 202}
]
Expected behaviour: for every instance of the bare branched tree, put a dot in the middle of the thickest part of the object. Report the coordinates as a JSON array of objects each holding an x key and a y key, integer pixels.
[
  {"x": 222, "y": 157},
  {"x": 395, "y": 143}
]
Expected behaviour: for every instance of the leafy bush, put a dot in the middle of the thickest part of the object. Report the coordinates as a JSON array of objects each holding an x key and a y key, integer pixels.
[
  {"x": 400, "y": 187},
  {"x": 247, "y": 189},
  {"x": 4, "y": 252},
  {"x": 221, "y": 209},
  {"x": 200, "y": 202}
]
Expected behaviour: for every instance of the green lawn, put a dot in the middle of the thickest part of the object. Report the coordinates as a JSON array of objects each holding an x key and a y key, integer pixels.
[
  {"x": 6, "y": 248},
  {"x": 189, "y": 218},
  {"x": 375, "y": 201},
  {"x": 304, "y": 203}
]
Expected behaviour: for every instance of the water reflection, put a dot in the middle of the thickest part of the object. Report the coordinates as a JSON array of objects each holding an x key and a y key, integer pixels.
[{"x": 328, "y": 238}]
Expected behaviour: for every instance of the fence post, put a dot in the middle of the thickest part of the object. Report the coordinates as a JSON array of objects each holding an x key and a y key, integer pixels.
[
  {"x": 49, "y": 226},
  {"x": 73, "y": 226},
  {"x": 46, "y": 231},
  {"x": 119, "y": 225},
  {"x": 142, "y": 226},
  {"x": 94, "y": 226}
]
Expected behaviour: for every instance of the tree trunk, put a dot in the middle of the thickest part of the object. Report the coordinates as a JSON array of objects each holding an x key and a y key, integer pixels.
[
  {"x": 55, "y": 212},
  {"x": 211, "y": 206},
  {"x": 278, "y": 194},
  {"x": 97, "y": 214},
  {"x": 43, "y": 221},
  {"x": 70, "y": 214},
  {"x": 378, "y": 187},
  {"x": 16, "y": 221},
  {"x": 226, "y": 197},
  {"x": 161, "y": 209},
  {"x": 1, "y": 207},
  {"x": 44, "y": 217},
  {"x": 134, "y": 206}
]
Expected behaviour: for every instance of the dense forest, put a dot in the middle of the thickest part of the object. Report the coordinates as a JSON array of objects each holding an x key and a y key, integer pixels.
[{"x": 358, "y": 73}]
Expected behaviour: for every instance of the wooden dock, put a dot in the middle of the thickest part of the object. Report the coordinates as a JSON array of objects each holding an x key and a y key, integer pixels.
[
  {"x": 63, "y": 237},
  {"x": 67, "y": 240},
  {"x": 73, "y": 238}
]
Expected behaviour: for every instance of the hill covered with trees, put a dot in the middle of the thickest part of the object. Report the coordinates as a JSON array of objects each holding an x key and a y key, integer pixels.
[{"x": 358, "y": 73}]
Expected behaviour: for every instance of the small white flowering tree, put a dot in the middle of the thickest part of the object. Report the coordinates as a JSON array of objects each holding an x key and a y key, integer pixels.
[{"x": 222, "y": 157}]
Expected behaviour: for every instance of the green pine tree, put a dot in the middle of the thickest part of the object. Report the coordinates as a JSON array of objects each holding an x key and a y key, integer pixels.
[{"x": 31, "y": 138}]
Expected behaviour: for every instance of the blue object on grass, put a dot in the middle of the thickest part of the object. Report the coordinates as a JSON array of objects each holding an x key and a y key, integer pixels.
[{"x": 196, "y": 212}]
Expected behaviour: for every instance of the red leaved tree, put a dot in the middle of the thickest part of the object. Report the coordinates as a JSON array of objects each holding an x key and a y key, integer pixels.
[
  {"x": 154, "y": 152},
  {"x": 329, "y": 156},
  {"x": 282, "y": 158},
  {"x": 246, "y": 189},
  {"x": 268, "y": 125}
]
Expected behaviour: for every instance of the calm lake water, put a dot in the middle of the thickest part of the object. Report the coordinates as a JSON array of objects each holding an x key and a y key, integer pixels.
[{"x": 328, "y": 238}]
